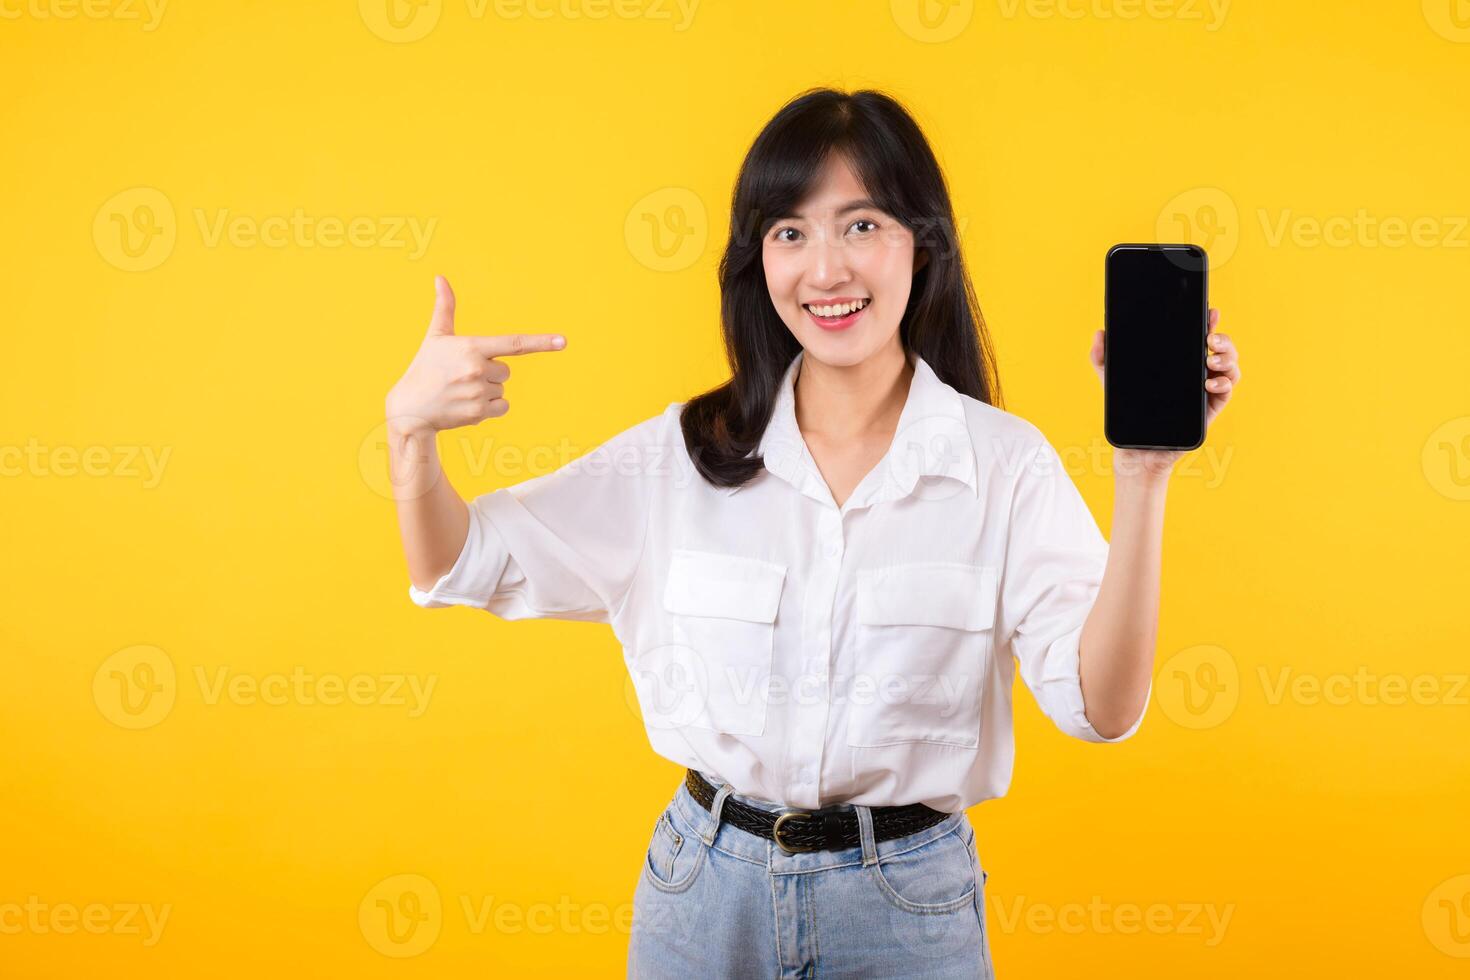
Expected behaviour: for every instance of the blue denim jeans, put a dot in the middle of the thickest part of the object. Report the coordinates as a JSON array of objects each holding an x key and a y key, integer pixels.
[{"x": 715, "y": 901}]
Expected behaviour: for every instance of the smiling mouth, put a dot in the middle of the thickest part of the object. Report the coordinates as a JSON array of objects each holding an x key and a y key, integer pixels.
[{"x": 836, "y": 311}]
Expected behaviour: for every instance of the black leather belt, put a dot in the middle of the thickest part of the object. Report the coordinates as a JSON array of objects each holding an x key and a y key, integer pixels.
[{"x": 814, "y": 830}]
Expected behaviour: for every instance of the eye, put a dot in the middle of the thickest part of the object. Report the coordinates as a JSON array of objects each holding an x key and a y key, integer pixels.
[
  {"x": 781, "y": 231},
  {"x": 865, "y": 221}
]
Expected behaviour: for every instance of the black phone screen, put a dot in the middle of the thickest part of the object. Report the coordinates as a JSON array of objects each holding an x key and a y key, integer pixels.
[{"x": 1156, "y": 311}]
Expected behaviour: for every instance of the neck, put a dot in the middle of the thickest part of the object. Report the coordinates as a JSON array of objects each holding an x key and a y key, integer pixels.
[{"x": 849, "y": 402}]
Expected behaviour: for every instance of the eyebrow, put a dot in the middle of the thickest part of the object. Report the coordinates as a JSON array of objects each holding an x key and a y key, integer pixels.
[{"x": 861, "y": 204}]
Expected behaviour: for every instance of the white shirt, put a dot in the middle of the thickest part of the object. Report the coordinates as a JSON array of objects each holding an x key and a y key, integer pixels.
[{"x": 808, "y": 653}]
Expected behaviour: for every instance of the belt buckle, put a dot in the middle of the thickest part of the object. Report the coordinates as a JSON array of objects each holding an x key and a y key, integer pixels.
[{"x": 781, "y": 822}]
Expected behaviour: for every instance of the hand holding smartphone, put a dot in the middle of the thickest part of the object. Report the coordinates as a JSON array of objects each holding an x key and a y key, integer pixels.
[{"x": 1156, "y": 316}]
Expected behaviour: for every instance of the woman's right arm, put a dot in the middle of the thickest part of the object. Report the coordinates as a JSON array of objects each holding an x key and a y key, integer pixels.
[{"x": 453, "y": 381}]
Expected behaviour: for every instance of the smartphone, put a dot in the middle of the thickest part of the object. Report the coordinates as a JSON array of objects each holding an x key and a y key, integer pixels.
[{"x": 1155, "y": 320}]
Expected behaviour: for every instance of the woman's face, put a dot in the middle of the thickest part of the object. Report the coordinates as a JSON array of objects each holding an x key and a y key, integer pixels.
[{"x": 840, "y": 251}]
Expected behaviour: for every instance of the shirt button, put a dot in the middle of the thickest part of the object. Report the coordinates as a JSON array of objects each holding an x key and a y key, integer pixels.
[{"x": 832, "y": 550}]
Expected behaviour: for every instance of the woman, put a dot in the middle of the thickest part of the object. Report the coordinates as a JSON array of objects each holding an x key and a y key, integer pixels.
[{"x": 822, "y": 572}]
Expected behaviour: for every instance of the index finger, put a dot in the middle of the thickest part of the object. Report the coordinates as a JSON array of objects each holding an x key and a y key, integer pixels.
[{"x": 500, "y": 345}]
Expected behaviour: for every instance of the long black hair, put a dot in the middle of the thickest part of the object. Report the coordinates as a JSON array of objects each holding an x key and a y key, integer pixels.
[{"x": 887, "y": 151}]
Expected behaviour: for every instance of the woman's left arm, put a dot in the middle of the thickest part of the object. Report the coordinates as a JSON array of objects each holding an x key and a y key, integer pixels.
[{"x": 1117, "y": 645}]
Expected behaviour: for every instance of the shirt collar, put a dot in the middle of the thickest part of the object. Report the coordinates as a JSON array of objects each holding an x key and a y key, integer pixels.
[{"x": 932, "y": 440}]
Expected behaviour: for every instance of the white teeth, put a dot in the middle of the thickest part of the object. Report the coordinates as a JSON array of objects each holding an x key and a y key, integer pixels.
[{"x": 841, "y": 309}]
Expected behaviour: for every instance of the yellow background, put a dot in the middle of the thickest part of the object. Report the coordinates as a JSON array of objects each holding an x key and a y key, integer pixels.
[{"x": 1327, "y": 540}]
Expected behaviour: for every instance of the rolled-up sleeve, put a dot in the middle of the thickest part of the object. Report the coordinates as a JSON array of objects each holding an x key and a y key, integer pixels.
[
  {"x": 564, "y": 545},
  {"x": 1055, "y": 556}
]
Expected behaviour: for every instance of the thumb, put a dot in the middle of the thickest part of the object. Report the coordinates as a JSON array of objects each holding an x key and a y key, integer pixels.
[{"x": 441, "y": 324}]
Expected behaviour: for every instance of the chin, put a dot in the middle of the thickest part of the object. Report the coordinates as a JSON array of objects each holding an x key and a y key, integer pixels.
[{"x": 836, "y": 351}]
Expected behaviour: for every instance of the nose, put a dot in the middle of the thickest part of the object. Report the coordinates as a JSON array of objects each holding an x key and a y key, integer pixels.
[{"x": 828, "y": 264}]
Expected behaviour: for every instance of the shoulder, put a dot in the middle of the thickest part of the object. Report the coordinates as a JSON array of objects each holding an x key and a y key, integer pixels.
[
  {"x": 636, "y": 448},
  {"x": 995, "y": 431},
  {"x": 1029, "y": 478},
  {"x": 650, "y": 430},
  {"x": 646, "y": 446}
]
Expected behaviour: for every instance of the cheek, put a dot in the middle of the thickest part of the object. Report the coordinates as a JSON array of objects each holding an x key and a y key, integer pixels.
[
  {"x": 887, "y": 269},
  {"x": 782, "y": 276}
]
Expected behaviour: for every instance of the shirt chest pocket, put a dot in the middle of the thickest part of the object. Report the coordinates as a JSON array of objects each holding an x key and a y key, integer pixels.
[
  {"x": 720, "y": 613},
  {"x": 923, "y": 644}
]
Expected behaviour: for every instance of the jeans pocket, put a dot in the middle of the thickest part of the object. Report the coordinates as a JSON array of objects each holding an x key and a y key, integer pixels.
[
  {"x": 935, "y": 878},
  {"x": 983, "y": 876},
  {"x": 675, "y": 854}
]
